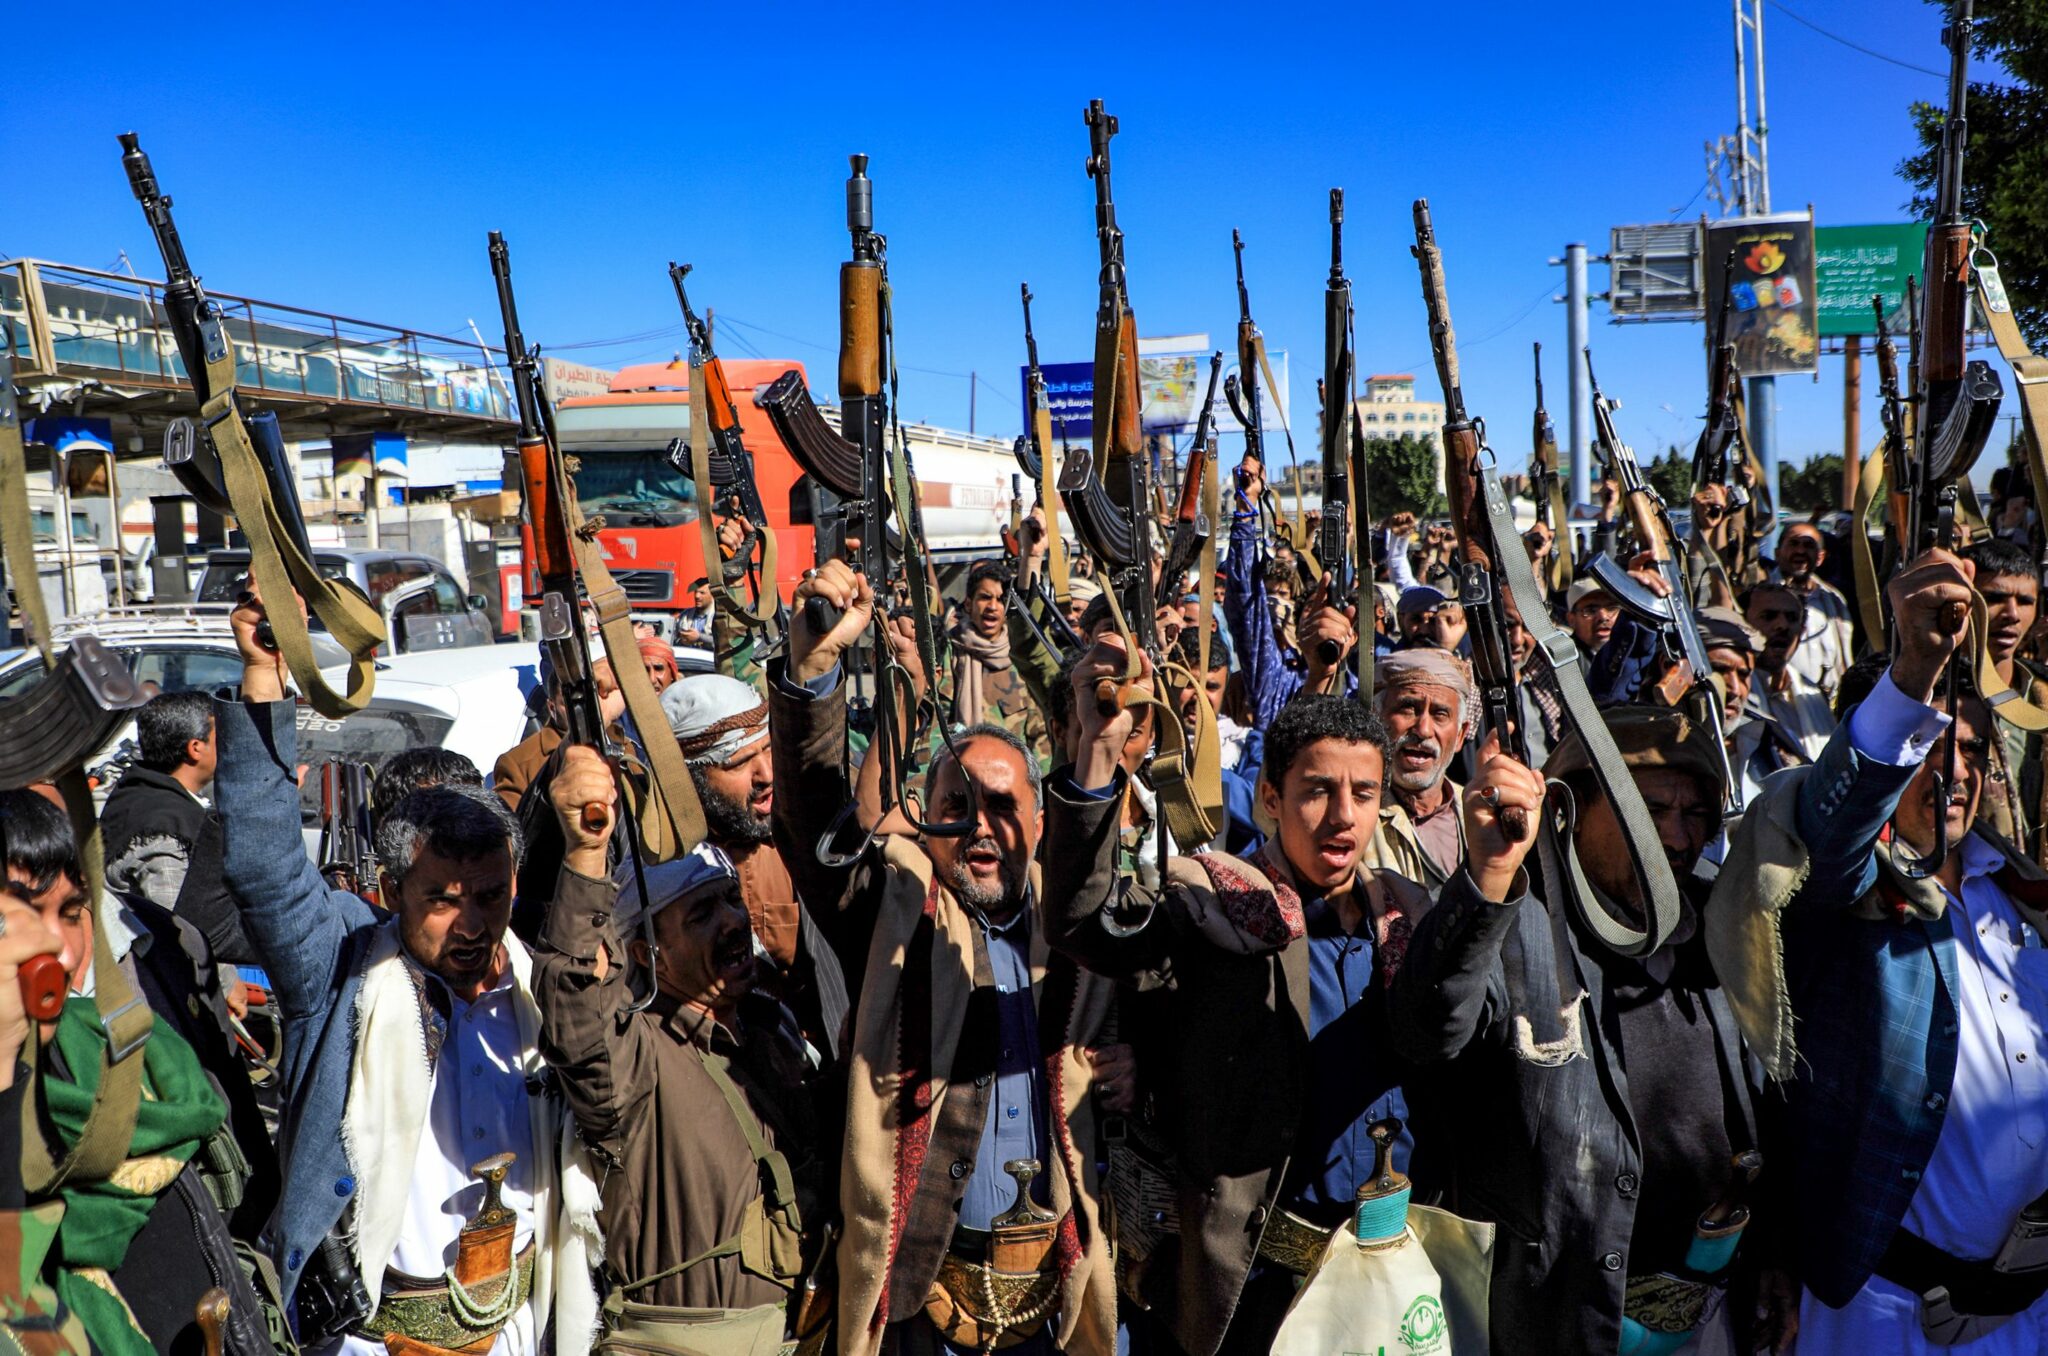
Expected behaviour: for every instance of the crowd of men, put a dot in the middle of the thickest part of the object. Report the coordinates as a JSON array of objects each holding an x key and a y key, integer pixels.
[{"x": 900, "y": 1095}]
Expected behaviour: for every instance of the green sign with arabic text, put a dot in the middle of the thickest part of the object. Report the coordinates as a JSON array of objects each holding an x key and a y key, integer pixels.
[{"x": 1852, "y": 264}]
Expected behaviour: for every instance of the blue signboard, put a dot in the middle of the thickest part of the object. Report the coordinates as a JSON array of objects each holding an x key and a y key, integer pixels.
[{"x": 1070, "y": 395}]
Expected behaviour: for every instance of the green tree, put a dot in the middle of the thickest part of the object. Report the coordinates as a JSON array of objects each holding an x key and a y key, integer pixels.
[
  {"x": 1671, "y": 477},
  {"x": 1403, "y": 472},
  {"x": 2005, "y": 173},
  {"x": 1816, "y": 485}
]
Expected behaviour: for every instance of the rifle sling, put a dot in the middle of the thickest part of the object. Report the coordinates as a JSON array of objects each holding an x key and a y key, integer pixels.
[
  {"x": 102, "y": 1144},
  {"x": 1280, "y": 408},
  {"x": 1646, "y": 853},
  {"x": 280, "y": 568},
  {"x": 670, "y": 819},
  {"x": 2031, "y": 372}
]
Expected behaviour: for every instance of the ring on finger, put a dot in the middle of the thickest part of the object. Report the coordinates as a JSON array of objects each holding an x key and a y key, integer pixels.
[{"x": 1490, "y": 795}]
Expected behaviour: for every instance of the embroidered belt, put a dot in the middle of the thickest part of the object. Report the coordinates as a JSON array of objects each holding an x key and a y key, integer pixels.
[
  {"x": 1664, "y": 1303},
  {"x": 1292, "y": 1242},
  {"x": 440, "y": 1315},
  {"x": 976, "y": 1305}
]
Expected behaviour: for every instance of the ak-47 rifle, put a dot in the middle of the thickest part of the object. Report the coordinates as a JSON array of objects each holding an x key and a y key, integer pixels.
[
  {"x": 1548, "y": 487},
  {"x": 1033, "y": 450},
  {"x": 1672, "y": 615},
  {"x": 236, "y": 464},
  {"x": 348, "y": 857},
  {"x": 1720, "y": 432},
  {"x": 1954, "y": 407},
  {"x": 718, "y": 455},
  {"x": 1186, "y": 777},
  {"x": 1490, "y": 554},
  {"x": 1241, "y": 388},
  {"x": 1342, "y": 548},
  {"x": 658, "y": 812},
  {"x": 1191, "y": 525},
  {"x": 866, "y": 469}
]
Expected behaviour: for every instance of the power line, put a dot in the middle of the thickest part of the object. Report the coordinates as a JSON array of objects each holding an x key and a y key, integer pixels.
[{"x": 1798, "y": 18}]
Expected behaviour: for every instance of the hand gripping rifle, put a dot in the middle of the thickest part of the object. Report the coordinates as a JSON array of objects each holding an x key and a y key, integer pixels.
[
  {"x": 1954, "y": 407},
  {"x": 234, "y": 462},
  {"x": 1241, "y": 390},
  {"x": 867, "y": 471},
  {"x": 1673, "y": 614},
  {"x": 715, "y": 457},
  {"x": 1489, "y": 550},
  {"x": 1548, "y": 487},
  {"x": 658, "y": 808},
  {"x": 1342, "y": 548},
  {"x": 1188, "y": 780}
]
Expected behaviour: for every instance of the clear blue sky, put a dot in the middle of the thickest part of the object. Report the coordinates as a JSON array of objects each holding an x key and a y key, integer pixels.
[{"x": 352, "y": 158}]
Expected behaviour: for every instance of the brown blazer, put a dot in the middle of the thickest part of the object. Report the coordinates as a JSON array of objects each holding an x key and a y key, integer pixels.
[{"x": 519, "y": 765}]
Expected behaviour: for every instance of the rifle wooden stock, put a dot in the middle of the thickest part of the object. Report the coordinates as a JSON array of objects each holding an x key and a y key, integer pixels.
[{"x": 1117, "y": 429}]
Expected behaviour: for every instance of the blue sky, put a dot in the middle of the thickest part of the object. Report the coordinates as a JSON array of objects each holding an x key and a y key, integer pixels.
[{"x": 351, "y": 158}]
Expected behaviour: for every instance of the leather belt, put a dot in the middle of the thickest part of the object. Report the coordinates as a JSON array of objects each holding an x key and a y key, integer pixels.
[{"x": 1974, "y": 1287}]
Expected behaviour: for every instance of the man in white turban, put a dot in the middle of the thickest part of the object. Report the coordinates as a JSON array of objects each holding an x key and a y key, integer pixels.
[{"x": 721, "y": 724}]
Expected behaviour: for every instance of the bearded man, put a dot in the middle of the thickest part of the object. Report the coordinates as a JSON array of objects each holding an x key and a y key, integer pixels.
[
  {"x": 972, "y": 1051},
  {"x": 721, "y": 725},
  {"x": 1428, "y": 706},
  {"x": 1794, "y": 700}
]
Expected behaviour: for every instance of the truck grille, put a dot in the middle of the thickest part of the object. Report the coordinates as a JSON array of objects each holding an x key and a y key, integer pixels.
[{"x": 646, "y": 586}]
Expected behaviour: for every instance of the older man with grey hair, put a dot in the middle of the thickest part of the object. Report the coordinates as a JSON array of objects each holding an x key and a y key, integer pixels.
[
  {"x": 411, "y": 1061},
  {"x": 1428, "y": 704}
]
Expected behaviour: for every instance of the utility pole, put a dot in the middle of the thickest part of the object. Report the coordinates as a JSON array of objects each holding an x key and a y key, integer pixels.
[
  {"x": 973, "y": 380},
  {"x": 1580, "y": 390},
  {"x": 1852, "y": 419},
  {"x": 1751, "y": 154}
]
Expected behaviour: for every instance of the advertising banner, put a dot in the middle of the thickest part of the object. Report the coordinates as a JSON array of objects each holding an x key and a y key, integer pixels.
[
  {"x": 1855, "y": 263},
  {"x": 1069, "y": 394},
  {"x": 1772, "y": 320}
]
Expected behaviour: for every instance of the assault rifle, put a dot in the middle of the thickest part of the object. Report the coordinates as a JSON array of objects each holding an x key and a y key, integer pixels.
[
  {"x": 866, "y": 469},
  {"x": 1547, "y": 485},
  {"x": 235, "y": 464},
  {"x": 659, "y": 816},
  {"x": 1342, "y": 565},
  {"x": 1954, "y": 404},
  {"x": 1187, "y": 778},
  {"x": 731, "y": 490},
  {"x": 1191, "y": 526},
  {"x": 348, "y": 857},
  {"x": 1710, "y": 452},
  {"x": 1672, "y": 615},
  {"x": 1241, "y": 389},
  {"x": 1491, "y": 554}
]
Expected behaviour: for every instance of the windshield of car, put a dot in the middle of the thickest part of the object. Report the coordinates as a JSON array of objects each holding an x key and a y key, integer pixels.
[
  {"x": 172, "y": 668},
  {"x": 372, "y": 735},
  {"x": 642, "y": 478},
  {"x": 222, "y": 580}
]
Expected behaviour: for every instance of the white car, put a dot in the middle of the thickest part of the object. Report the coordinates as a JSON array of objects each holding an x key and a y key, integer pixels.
[
  {"x": 477, "y": 701},
  {"x": 182, "y": 648}
]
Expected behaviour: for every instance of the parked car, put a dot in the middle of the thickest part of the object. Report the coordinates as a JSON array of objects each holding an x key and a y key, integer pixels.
[
  {"x": 172, "y": 649},
  {"x": 423, "y": 605},
  {"x": 475, "y": 702}
]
